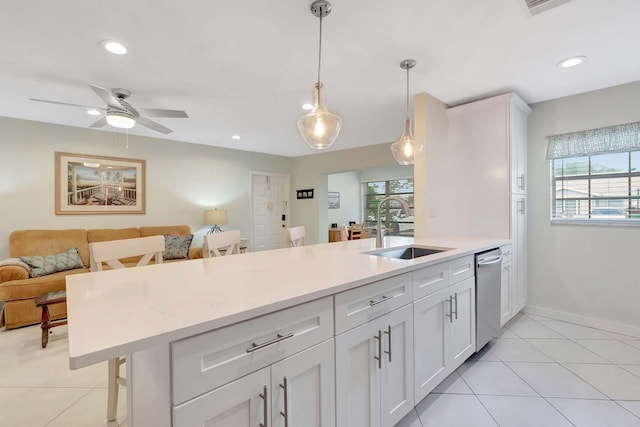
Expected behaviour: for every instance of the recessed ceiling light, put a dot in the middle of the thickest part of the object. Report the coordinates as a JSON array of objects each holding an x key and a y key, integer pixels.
[
  {"x": 307, "y": 107},
  {"x": 93, "y": 112},
  {"x": 571, "y": 62},
  {"x": 235, "y": 137},
  {"x": 114, "y": 47}
]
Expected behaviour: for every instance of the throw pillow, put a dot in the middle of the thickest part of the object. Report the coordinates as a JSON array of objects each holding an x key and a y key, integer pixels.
[
  {"x": 41, "y": 265},
  {"x": 176, "y": 247}
]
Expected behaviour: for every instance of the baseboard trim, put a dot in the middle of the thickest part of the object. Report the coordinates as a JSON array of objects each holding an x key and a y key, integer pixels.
[{"x": 606, "y": 325}]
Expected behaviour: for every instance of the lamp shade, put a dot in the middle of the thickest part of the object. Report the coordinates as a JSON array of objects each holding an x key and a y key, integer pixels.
[
  {"x": 405, "y": 149},
  {"x": 215, "y": 217},
  {"x": 319, "y": 127}
]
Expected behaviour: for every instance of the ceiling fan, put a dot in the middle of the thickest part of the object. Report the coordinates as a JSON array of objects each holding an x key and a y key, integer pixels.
[{"x": 119, "y": 113}]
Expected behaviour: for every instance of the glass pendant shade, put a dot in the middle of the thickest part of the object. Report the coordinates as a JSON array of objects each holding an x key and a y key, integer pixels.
[
  {"x": 405, "y": 149},
  {"x": 319, "y": 127}
]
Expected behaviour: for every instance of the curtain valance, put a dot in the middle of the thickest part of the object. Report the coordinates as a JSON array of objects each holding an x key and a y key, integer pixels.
[{"x": 610, "y": 139}]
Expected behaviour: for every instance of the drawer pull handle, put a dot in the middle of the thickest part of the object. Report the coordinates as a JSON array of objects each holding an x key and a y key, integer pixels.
[
  {"x": 456, "y": 304},
  {"x": 381, "y": 300},
  {"x": 388, "y": 333},
  {"x": 450, "y": 315},
  {"x": 379, "y": 357},
  {"x": 279, "y": 338},
  {"x": 265, "y": 416},
  {"x": 285, "y": 413}
]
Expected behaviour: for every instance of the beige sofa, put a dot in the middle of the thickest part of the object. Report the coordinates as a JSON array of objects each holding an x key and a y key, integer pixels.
[{"x": 19, "y": 291}]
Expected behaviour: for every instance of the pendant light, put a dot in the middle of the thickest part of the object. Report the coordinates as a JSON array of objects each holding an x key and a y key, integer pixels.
[
  {"x": 319, "y": 127},
  {"x": 405, "y": 149}
]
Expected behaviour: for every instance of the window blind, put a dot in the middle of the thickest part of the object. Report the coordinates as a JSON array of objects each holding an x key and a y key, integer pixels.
[{"x": 609, "y": 139}]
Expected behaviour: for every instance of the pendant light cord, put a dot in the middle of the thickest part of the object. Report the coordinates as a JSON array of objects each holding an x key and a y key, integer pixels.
[
  {"x": 407, "y": 92},
  {"x": 320, "y": 45}
]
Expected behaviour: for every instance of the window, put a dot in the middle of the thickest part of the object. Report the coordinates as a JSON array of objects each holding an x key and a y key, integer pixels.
[
  {"x": 598, "y": 188},
  {"x": 393, "y": 218}
]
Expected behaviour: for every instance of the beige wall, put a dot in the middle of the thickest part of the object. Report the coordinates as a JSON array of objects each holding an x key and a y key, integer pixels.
[
  {"x": 589, "y": 271},
  {"x": 312, "y": 172},
  {"x": 182, "y": 179},
  {"x": 348, "y": 185}
]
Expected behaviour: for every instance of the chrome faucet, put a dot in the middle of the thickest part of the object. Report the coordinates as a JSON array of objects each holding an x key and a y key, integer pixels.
[{"x": 379, "y": 232}]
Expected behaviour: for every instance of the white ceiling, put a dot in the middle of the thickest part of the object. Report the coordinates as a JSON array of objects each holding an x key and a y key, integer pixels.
[{"x": 247, "y": 66}]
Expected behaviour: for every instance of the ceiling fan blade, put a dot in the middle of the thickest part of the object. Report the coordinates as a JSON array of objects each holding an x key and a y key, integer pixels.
[
  {"x": 153, "y": 125},
  {"x": 99, "y": 123},
  {"x": 66, "y": 103},
  {"x": 108, "y": 97},
  {"x": 156, "y": 112}
]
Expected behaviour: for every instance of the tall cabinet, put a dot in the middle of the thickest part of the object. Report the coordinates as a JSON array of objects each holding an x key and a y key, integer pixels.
[{"x": 487, "y": 177}]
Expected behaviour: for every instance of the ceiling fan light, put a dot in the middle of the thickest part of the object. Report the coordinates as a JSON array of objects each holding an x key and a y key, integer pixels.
[{"x": 119, "y": 120}]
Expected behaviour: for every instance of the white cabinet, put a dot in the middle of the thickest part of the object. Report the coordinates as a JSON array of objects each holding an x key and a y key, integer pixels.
[
  {"x": 506, "y": 285},
  {"x": 518, "y": 141},
  {"x": 444, "y": 331},
  {"x": 303, "y": 388},
  {"x": 374, "y": 371},
  {"x": 519, "y": 237},
  {"x": 297, "y": 391},
  {"x": 241, "y": 403}
]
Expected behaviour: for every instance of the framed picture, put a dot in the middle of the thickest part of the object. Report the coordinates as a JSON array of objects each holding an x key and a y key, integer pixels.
[
  {"x": 87, "y": 184},
  {"x": 304, "y": 194},
  {"x": 334, "y": 200}
]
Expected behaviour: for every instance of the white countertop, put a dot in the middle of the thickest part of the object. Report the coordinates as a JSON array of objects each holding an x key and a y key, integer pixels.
[{"x": 117, "y": 312}]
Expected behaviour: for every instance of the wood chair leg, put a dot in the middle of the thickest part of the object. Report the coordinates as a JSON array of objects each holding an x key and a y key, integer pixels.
[
  {"x": 112, "y": 400},
  {"x": 45, "y": 325}
]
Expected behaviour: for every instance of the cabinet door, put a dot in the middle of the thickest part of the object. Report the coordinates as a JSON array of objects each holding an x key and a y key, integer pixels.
[
  {"x": 430, "y": 327},
  {"x": 241, "y": 403},
  {"x": 462, "y": 331},
  {"x": 518, "y": 134},
  {"x": 521, "y": 279},
  {"x": 358, "y": 376},
  {"x": 303, "y": 389},
  {"x": 396, "y": 382},
  {"x": 506, "y": 289}
]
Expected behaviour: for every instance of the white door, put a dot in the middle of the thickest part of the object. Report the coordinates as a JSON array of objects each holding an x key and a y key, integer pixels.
[
  {"x": 521, "y": 242},
  {"x": 270, "y": 211},
  {"x": 358, "y": 376},
  {"x": 462, "y": 330},
  {"x": 396, "y": 382},
  {"x": 303, "y": 389},
  {"x": 430, "y": 326},
  {"x": 506, "y": 288},
  {"x": 242, "y": 403}
]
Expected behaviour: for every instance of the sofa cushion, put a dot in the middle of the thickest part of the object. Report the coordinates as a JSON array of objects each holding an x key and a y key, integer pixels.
[
  {"x": 108, "y": 234},
  {"x": 31, "y": 288},
  {"x": 176, "y": 247},
  {"x": 42, "y": 265},
  {"x": 46, "y": 242},
  {"x": 174, "y": 230}
]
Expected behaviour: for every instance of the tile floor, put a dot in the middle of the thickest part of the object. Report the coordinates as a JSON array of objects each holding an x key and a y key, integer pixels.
[
  {"x": 540, "y": 372},
  {"x": 543, "y": 373}
]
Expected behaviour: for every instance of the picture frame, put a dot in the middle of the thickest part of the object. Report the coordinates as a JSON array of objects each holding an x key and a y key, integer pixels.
[
  {"x": 333, "y": 197},
  {"x": 304, "y": 194},
  {"x": 87, "y": 184}
]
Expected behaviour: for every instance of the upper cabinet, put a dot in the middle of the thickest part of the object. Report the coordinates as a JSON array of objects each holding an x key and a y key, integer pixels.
[{"x": 486, "y": 164}]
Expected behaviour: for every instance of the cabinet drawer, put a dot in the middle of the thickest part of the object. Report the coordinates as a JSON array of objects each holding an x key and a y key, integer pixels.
[
  {"x": 209, "y": 360},
  {"x": 461, "y": 268},
  {"x": 359, "y": 305},
  {"x": 430, "y": 279}
]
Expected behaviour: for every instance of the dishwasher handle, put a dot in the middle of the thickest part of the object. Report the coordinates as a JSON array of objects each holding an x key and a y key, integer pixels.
[{"x": 489, "y": 261}]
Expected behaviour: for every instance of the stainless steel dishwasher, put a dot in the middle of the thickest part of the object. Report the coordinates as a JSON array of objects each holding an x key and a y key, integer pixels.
[{"x": 488, "y": 278}]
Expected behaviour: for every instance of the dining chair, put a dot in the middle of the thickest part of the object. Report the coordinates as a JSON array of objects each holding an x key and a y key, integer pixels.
[
  {"x": 344, "y": 233},
  {"x": 227, "y": 241},
  {"x": 112, "y": 253},
  {"x": 356, "y": 231},
  {"x": 296, "y": 236}
]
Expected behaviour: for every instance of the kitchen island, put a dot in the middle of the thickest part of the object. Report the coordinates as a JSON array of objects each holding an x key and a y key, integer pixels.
[{"x": 182, "y": 324}]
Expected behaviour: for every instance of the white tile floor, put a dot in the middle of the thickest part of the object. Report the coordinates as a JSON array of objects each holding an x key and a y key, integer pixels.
[
  {"x": 38, "y": 389},
  {"x": 540, "y": 372}
]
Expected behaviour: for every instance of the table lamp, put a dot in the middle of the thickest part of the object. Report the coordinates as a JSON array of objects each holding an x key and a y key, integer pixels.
[{"x": 215, "y": 218}]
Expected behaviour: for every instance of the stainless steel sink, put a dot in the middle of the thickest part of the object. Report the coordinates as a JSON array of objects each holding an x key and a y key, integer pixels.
[{"x": 408, "y": 252}]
